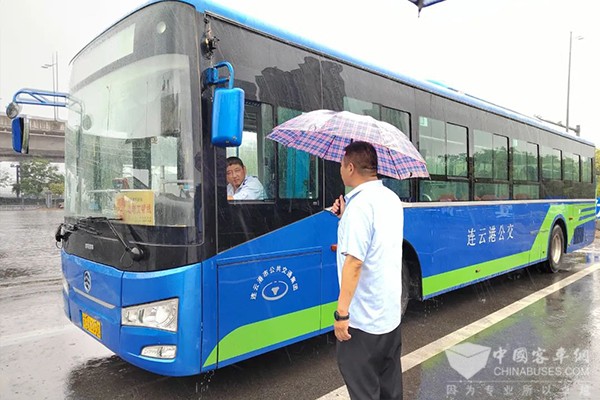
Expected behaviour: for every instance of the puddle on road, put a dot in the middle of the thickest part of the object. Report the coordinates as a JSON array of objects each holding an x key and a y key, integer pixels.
[
  {"x": 9, "y": 273},
  {"x": 549, "y": 350},
  {"x": 27, "y": 248}
]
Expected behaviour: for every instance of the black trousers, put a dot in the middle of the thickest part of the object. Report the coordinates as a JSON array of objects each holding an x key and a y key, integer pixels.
[{"x": 370, "y": 365}]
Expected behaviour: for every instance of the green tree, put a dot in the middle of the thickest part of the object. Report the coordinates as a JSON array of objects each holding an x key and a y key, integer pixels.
[
  {"x": 36, "y": 176},
  {"x": 57, "y": 189},
  {"x": 4, "y": 179}
]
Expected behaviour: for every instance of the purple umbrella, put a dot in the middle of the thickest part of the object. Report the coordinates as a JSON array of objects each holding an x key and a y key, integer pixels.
[{"x": 325, "y": 134}]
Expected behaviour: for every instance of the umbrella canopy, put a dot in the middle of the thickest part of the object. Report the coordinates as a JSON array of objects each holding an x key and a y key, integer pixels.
[
  {"x": 325, "y": 134},
  {"x": 424, "y": 3}
]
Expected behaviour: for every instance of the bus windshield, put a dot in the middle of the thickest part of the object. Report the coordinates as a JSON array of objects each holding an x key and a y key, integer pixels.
[{"x": 129, "y": 137}]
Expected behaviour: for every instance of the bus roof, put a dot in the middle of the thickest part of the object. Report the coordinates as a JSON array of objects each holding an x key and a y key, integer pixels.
[
  {"x": 214, "y": 7},
  {"x": 218, "y": 9}
]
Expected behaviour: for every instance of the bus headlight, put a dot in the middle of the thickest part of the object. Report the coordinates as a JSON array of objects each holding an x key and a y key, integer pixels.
[
  {"x": 165, "y": 352},
  {"x": 159, "y": 315}
]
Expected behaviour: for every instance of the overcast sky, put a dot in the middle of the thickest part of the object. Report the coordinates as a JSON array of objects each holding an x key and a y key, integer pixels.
[{"x": 511, "y": 52}]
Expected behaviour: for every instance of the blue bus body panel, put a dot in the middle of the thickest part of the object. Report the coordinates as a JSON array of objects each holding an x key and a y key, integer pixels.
[
  {"x": 102, "y": 302},
  {"x": 459, "y": 236},
  {"x": 111, "y": 290},
  {"x": 467, "y": 235},
  {"x": 209, "y": 311},
  {"x": 448, "y": 238},
  {"x": 288, "y": 272},
  {"x": 273, "y": 280},
  {"x": 183, "y": 283}
]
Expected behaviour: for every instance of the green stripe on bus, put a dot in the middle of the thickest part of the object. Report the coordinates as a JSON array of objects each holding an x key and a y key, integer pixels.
[
  {"x": 258, "y": 335},
  {"x": 593, "y": 217},
  {"x": 441, "y": 282}
]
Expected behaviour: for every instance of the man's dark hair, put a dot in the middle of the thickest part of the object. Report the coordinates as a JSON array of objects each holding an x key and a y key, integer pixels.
[
  {"x": 363, "y": 156},
  {"x": 234, "y": 161}
]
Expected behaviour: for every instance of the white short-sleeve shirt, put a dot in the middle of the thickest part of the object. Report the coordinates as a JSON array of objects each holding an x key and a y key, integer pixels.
[
  {"x": 371, "y": 230},
  {"x": 250, "y": 189}
]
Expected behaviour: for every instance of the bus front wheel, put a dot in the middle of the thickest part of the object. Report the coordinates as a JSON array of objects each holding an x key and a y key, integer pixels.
[{"x": 555, "y": 249}]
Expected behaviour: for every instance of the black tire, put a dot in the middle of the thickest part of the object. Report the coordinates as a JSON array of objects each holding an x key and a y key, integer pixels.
[
  {"x": 405, "y": 286},
  {"x": 555, "y": 250}
]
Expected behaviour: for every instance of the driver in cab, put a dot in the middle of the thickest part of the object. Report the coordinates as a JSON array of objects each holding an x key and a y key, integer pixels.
[{"x": 241, "y": 186}]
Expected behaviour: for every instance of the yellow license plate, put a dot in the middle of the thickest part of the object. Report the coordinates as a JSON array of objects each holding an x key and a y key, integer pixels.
[{"x": 91, "y": 325}]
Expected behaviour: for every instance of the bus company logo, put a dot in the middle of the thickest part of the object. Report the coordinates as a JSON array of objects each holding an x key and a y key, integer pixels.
[
  {"x": 87, "y": 281},
  {"x": 490, "y": 234},
  {"x": 274, "y": 283},
  {"x": 275, "y": 290},
  {"x": 467, "y": 358}
]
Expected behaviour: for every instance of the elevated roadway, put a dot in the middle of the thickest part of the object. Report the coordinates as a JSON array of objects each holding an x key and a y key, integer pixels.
[{"x": 47, "y": 140}]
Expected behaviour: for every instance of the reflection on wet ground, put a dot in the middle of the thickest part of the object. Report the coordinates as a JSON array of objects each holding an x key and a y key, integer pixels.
[
  {"x": 43, "y": 356},
  {"x": 546, "y": 351},
  {"x": 27, "y": 246},
  {"x": 280, "y": 374}
]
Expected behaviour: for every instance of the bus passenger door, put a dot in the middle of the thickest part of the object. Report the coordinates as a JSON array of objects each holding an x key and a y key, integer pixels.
[{"x": 267, "y": 300}]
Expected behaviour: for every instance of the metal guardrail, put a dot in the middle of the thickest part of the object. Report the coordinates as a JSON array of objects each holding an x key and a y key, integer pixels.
[{"x": 17, "y": 207}]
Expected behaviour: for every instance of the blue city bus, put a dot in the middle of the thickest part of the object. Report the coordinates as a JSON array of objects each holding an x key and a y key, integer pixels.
[{"x": 165, "y": 271}]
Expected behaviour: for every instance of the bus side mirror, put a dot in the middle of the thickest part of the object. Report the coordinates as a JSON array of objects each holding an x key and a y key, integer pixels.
[
  {"x": 228, "y": 117},
  {"x": 20, "y": 135}
]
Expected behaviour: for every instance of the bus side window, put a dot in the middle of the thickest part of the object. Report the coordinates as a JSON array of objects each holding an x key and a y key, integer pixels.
[
  {"x": 443, "y": 191},
  {"x": 400, "y": 187},
  {"x": 298, "y": 170},
  {"x": 256, "y": 152}
]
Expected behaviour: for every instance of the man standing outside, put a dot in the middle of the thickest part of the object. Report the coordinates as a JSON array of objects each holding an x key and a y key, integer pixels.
[
  {"x": 369, "y": 262},
  {"x": 241, "y": 186}
]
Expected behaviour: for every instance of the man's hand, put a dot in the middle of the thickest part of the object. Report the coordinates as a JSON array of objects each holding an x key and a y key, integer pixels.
[
  {"x": 350, "y": 276},
  {"x": 338, "y": 207},
  {"x": 341, "y": 330}
]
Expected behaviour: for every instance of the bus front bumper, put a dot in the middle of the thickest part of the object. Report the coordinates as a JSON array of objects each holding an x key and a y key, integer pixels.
[{"x": 98, "y": 309}]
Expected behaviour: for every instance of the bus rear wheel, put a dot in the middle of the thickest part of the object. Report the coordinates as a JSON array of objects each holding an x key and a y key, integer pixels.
[
  {"x": 405, "y": 286},
  {"x": 555, "y": 249}
]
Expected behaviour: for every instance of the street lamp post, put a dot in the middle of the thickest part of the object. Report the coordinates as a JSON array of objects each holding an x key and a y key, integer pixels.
[
  {"x": 54, "y": 66},
  {"x": 17, "y": 168},
  {"x": 569, "y": 76}
]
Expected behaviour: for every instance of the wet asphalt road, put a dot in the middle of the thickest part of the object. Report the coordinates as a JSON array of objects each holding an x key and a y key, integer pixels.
[{"x": 42, "y": 356}]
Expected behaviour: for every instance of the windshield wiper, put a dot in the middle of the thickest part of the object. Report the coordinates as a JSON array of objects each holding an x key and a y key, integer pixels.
[
  {"x": 86, "y": 228},
  {"x": 136, "y": 252},
  {"x": 65, "y": 230}
]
